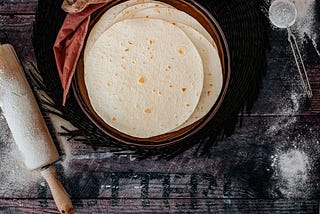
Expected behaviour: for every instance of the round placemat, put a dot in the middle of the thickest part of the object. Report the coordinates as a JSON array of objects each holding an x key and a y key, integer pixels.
[{"x": 245, "y": 28}]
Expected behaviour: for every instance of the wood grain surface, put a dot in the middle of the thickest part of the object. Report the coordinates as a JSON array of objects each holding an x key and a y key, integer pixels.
[
  {"x": 21, "y": 206},
  {"x": 237, "y": 176},
  {"x": 18, "y": 6}
]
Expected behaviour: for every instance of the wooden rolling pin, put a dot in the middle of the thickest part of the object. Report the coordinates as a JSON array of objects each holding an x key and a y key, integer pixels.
[{"x": 27, "y": 125}]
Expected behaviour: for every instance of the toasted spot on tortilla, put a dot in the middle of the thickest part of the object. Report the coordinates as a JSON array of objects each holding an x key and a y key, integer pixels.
[
  {"x": 148, "y": 111},
  {"x": 142, "y": 80},
  {"x": 168, "y": 68}
]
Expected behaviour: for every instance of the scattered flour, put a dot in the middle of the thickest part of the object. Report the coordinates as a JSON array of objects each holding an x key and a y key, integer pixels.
[
  {"x": 292, "y": 170},
  {"x": 294, "y": 165},
  {"x": 287, "y": 110},
  {"x": 65, "y": 145},
  {"x": 305, "y": 24},
  {"x": 292, "y": 159},
  {"x": 14, "y": 175}
]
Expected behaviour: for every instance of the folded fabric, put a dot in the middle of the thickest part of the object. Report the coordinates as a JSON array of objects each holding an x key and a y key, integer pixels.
[
  {"x": 76, "y": 6},
  {"x": 69, "y": 44}
]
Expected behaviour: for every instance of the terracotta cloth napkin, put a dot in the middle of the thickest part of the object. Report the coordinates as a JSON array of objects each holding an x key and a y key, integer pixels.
[{"x": 69, "y": 44}]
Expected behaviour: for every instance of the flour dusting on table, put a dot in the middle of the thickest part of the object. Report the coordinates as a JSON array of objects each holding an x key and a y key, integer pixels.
[
  {"x": 305, "y": 26},
  {"x": 14, "y": 175},
  {"x": 287, "y": 109},
  {"x": 65, "y": 145},
  {"x": 292, "y": 170},
  {"x": 292, "y": 161},
  {"x": 292, "y": 158},
  {"x": 306, "y": 19}
]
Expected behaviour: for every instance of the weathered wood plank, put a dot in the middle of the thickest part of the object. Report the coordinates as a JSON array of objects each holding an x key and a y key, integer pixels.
[
  {"x": 157, "y": 206},
  {"x": 18, "y": 6},
  {"x": 274, "y": 94},
  {"x": 17, "y": 30},
  {"x": 238, "y": 167},
  {"x": 282, "y": 84}
]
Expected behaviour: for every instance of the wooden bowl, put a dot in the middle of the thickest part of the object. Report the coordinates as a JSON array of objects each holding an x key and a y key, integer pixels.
[{"x": 209, "y": 22}]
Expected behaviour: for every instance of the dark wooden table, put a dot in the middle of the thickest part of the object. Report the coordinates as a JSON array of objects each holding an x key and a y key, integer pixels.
[{"x": 241, "y": 174}]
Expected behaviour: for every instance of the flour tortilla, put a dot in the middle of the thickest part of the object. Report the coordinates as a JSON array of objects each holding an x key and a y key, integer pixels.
[
  {"x": 212, "y": 66},
  {"x": 213, "y": 78},
  {"x": 110, "y": 17},
  {"x": 174, "y": 16},
  {"x": 144, "y": 77}
]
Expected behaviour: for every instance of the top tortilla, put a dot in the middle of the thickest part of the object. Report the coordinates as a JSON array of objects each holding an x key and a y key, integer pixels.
[
  {"x": 110, "y": 17},
  {"x": 213, "y": 79},
  {"x": 144, "y": 77}
]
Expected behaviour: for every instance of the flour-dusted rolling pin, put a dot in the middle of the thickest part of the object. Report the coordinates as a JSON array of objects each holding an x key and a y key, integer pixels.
[{"x": 27, "y": 125}]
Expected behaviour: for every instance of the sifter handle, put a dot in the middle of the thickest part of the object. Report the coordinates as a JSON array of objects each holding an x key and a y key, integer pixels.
[{"x": 300, "y": 64}]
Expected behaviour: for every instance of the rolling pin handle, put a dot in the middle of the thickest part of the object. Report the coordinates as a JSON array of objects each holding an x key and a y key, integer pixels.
[{"x": 59, "y": 194}]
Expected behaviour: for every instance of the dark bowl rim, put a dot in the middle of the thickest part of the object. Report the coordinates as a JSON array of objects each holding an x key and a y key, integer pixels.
[{"x": 179, "y": 139}]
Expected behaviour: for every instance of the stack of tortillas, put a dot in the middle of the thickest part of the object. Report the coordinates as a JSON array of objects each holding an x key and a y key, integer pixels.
[{"x": 150, "y": 69}]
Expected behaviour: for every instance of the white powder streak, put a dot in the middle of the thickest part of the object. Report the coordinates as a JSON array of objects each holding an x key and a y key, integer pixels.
[
  {"x": 65, "y": 145},
  {"x": 306, "y": 19},
  {"x": 292, "y": 173},
  {"x": 14, "y": 175},
  {"x": 287, "y": 109},
  {"x": 292, "y": 164}
]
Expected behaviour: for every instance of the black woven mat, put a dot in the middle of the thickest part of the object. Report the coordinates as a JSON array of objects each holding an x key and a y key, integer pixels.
[{"x": 245, "y": 27}]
